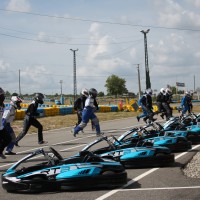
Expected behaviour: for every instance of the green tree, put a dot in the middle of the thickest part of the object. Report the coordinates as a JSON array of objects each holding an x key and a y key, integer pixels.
[
  {"x": 101, "y": 94},
  {"x": 115, "y": 85}
]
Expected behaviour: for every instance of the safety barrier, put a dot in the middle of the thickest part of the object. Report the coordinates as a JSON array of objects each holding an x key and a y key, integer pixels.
[
  {"x": 53, "y": 110},
  {"x": 46, "y": 110}
]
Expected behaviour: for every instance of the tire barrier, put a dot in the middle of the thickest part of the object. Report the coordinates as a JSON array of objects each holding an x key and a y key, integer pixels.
[{"x": 46, "y": 110}]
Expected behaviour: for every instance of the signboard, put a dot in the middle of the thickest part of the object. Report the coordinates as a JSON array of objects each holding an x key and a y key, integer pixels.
[{"x": 180, "y": 84}]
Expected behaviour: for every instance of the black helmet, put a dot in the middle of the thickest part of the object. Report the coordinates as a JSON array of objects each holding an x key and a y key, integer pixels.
[
  {"x": 2, "y": 96},
  {"x": 93, "y": 92},
  {"x": 39, "y": 98}
]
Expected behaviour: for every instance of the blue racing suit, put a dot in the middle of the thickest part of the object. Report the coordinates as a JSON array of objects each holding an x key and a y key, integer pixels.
[
  {"x": 87, "y": 114},
  {"x": 7, "y": 119},
  {"x": 146, "y": 103},
  {"x": 185, "y": 104}
]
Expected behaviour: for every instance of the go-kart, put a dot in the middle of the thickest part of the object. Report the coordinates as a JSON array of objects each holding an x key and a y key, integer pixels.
[
  {"x": 134, "y": 157},
  {"x": 186, "y": 126},
  {"x": 84, "y": 171},
  {"x": 153, "y": 133}
]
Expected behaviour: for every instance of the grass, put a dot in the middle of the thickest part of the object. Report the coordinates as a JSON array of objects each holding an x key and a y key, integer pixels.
[{"x": 55, "y": 122}]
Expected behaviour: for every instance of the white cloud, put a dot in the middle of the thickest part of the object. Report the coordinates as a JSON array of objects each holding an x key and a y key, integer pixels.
[
  {"x": 19, "y": 5},
  {"x": 172, "y": 14}
]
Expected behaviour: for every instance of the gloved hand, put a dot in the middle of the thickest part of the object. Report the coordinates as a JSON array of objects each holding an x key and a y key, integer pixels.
[{"x": 79, "y": 113}]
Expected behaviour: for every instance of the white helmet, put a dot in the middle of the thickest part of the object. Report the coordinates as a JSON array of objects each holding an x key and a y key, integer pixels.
[
  {"x": 15, "y": 101},
  {"x": 149, "y": 91},
  {"x": 187, "y": 93},
  {"x": 85, "y": 92},
  {"x": 162, "y": 90},
  {"x": 168, "y": 90}
]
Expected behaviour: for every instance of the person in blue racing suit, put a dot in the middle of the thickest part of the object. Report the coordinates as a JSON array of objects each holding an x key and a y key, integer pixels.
[
  {"x": 88, "y": 114},
  {"x": 30, "y": 119},
  {"x": 8, "y": 118},
  {"x": 5, "y": 138},
  {"x": 146, "y": 103},
  {"x": 185, "y": 103},
  {"x": 79, "y": 105}
]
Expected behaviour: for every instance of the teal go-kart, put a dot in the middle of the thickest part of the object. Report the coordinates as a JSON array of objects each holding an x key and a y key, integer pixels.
[
  {"x": 134, "y": 157},
  {"x": 151, "y": 134},
  {"x": 186, "y": 126},
  {"x": 81, "y": 172}
]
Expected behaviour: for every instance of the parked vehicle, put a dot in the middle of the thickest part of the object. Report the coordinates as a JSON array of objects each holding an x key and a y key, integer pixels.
[
  {"x": 134, "y": 157},
  {"x": 84, "y": 171}
]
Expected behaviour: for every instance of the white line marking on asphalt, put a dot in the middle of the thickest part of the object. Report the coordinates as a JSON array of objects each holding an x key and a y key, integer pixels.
[
  {"x": 73, "y": 147},
  {"x": 164, "y": 188},
  {"x": 140, "y": 177}
]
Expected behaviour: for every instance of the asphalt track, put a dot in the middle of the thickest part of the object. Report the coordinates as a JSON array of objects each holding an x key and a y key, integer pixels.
[{"x": 146, "y": 183}]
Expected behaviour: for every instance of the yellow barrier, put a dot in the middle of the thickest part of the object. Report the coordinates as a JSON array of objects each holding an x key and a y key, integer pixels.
[{"x": 19, "y": 114}]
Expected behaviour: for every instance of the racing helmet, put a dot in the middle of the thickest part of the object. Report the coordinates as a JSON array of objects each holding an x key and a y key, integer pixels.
[
  {"x": 162, "y": 90},
  {"x": 187, "y": 93},
  {"x": 2, "y": 95},
  {"x": 84, "y": 92},
  {"x": 93, "y": 92},
  {"x": 39, "y": 98},
  {"x": 168, "y": 91},
  {"x": 149, "y": 91},
  {"x": 15, "y": 101}
]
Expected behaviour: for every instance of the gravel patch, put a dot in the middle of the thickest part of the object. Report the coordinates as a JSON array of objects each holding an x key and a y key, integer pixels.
[{"x": 192, "y": 169}]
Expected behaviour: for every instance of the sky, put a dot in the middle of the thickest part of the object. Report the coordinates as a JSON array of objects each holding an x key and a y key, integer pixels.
[{"x": 38, "y": 40}]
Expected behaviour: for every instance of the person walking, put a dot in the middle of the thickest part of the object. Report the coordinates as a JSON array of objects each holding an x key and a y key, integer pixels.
[
  {"x": 147, "y": 108},
  {"x": 159, "y": 101},
  {"x": 8, "y": 118},
  {"x": 30, "y": 120},
  {"x": 5, "y": 138},
  {"x": 79, "y": 104},
  {"x": 166, "y": 103},
  {"x": 185, "y": 103},
  {"x": 190, "y": 105},
  {"x": 88, "y": 114}
]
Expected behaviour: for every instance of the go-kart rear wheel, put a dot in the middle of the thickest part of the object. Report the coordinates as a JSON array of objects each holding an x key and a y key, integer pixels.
[
  {"x": 108, "y": 173},
  {"x": 11, "y": 191},
  {"x": 160, "y": 154}
]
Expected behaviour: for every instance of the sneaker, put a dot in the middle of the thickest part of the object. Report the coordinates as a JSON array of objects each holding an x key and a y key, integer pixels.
[
  {"x": 162, "y": 116},
  {"x": 154, "y": 119},
  {"x": 16, "y": 144},
  {"x": 138, "y": 118},
  {"x": 10, "y": 153},
  {"x": 2, "y": 156},
  {"x": 100, "y": 134},
  {"x": 145, "y": 120},
  {"x": 42, "y": 142},
  {"x": 72, "y": 131}
]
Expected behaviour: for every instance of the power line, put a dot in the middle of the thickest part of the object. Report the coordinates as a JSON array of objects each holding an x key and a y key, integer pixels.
[
  {"x": 98, "y": 21},
  {"x": 53, "y": 42}
]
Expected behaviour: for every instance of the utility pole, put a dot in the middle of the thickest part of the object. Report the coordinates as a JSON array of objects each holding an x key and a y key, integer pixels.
[
  {"x": 139, "y": 85},
  {"x": 194, "y": 84},
  {"x": 148, "y": 82},
  {"x": 19, "y": 85},
  {"x": 61, "y": 81},
  {"x": 75, "y": 85}
]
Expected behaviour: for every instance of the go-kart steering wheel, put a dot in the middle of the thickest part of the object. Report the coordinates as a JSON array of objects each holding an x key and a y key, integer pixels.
[
  {"x": 52, "y": 150},
  {"x": 116, "y": 140}
]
